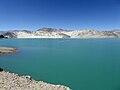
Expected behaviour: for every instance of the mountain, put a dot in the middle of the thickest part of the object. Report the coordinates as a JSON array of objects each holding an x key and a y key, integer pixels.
[{"x": 60, "y": 33}]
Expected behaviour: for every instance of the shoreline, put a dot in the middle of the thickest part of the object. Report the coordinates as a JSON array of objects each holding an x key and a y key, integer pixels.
[{"x": 12, "y": 81}]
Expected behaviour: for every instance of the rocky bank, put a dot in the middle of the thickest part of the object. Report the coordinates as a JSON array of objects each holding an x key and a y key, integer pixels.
[{"x": 11, "y": 81}]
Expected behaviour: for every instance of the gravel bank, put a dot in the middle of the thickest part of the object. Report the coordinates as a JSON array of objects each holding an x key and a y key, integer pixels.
[{"x": 11, "y": 81}]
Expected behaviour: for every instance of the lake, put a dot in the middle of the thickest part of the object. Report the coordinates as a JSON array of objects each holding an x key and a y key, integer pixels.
[{"x": 81, "y": 64}]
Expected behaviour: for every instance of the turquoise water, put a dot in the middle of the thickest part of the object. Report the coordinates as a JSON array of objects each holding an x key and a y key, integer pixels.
[{"x": 81, "y": 64}]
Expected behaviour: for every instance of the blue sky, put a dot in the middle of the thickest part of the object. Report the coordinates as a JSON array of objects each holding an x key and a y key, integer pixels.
[{"x": 66, "y": 14}]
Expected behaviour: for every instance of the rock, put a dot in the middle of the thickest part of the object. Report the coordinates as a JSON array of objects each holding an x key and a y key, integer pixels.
[
  {"x": 28, "y": 77},
  {"x": 1, "y": 69}
]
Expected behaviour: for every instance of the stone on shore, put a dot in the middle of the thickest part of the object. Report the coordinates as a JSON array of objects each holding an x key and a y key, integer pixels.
[
  {"x": 1, "y": 69},
  {"x": 11, "y": 81}
]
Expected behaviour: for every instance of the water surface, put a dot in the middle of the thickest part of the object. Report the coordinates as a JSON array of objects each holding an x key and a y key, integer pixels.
[{"x": 81, "y": 64}]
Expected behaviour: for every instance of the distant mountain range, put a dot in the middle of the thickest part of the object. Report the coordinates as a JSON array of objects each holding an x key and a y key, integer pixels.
[{"x": 60, "y": 33}]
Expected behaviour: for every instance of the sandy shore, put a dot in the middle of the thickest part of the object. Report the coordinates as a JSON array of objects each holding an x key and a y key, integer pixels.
[{"x": 11, "y": 81}]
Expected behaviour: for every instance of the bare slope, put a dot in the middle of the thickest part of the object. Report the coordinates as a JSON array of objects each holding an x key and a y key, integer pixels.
[{"x": 60, "y": 33}]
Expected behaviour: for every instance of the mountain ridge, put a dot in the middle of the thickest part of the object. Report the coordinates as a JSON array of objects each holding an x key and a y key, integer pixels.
[{"x": 61, "y": 33}]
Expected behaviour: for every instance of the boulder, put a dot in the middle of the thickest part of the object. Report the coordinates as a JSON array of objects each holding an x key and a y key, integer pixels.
[{"x": 1, "y": 69}]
